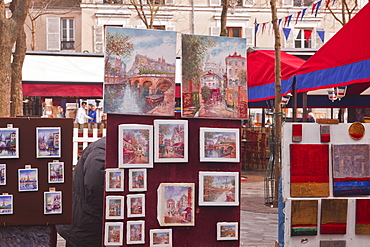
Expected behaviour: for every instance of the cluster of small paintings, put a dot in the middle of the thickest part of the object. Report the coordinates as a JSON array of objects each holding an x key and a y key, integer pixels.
[{"x": 48, "y": 142}]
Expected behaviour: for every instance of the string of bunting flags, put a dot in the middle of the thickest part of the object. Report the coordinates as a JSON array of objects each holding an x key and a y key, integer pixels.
[{"x": 287, "y": 21}]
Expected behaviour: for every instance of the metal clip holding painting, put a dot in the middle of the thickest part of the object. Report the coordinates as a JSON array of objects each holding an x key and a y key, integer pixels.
[
  {"x": 9, "y": 126},
  {"x": 27, "y": 166}
]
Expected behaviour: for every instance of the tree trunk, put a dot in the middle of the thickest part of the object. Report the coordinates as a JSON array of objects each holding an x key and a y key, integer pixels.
[{"x": 225, "y": 7}]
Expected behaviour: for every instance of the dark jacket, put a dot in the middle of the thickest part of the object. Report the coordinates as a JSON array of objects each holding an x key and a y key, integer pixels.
[{"x": 88, "y": 191}]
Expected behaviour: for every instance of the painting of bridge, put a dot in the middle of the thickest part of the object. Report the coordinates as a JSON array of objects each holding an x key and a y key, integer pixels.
[{"x": 139, "y": 71}]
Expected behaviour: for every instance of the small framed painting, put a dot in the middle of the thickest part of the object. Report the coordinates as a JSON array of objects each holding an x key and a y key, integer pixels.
[
  {"x": 136, "y": 205},
  {"x": 176, "y": 204},
  {"x": 135, "y": 146},
  {"x": 6, "y": 202},
  {"x": 219, "y": 145},
  {"x": 56, "y": 172},
  {"x": 113, "y": 234},
  {"x": 135, "y": 232},
  {"x": 53, "y": 202},
  {"x": 137, "y": 179},
  {"x": 114, "y": 180},
  {"x": 9, "y": 143},
  {"x": 28, "y": 180},
  {"x": 114, "y": 207},
  {"x": 171, "y": 140},
  {"x": 48, "y": 142},
  {"x": 161, "y": 238},
  {"x": 2, "y": 174},
  {"x": 227, "y": 231},
  {"x": 218, "y": 188}
]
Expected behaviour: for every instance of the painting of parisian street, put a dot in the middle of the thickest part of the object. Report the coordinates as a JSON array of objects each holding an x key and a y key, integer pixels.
[
  {"x": 214, "y": 77},
  {"x": 139, "y": 71}
]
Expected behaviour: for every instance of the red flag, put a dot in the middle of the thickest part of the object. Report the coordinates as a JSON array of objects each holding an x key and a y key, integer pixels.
[
  {"x": 327, "y": 3},
  {"x": 263, "y": 26},
  {"x": 307, "y": 34},
  {"x": 298, "y": 14},
  {"x": 286, "y": 20},
  {"x": 313, "y": 8}
]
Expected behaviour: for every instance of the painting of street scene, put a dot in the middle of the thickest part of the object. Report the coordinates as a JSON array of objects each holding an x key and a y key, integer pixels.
[
  {"x": 219, "y": 145},
  {"x": 48, "y": 142},
  {"x": 176, "y": 204},
  {"x": 214, "y": 77},
  {"x": 113, "y": 234},
  {"x": 9, "y": 143},
  {"x": 6, "y": 204},
  {"x": 219, "y": 188},
  {"x": 2, "y": 174},
  {"x": 135, "y": 146},
  {"x": 114, "y": 180},
  {"x": 171, "y": 140},
  {"x": 161, "y": 237},
  {"x": 56, "y": 172},
  {"x": 137, "y": 180},
  {"x": 139, "y": 71},
  {"x": 135, "y": 232},
  {"x": 227, "y": 230},
  {"x": 28, "y": 179},
  {"x": 114, "y": 207},
  {"x": 53, "y": 202},
  {"x": 136, "y": 205}
]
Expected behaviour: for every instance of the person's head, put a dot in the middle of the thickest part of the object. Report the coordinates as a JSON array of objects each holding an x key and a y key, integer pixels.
[
  {"x": 83, "y": 105},
  {"x": 93, "y": 107},
  {"x": 311, "y": 115}
]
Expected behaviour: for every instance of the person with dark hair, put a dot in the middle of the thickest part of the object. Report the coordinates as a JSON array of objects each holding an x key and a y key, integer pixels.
[
  {"x": 81, "y": 115},
  {"x": 88, "y": 194}
]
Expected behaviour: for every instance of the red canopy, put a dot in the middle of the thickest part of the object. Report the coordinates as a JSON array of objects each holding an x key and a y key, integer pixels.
[
  {"x": 261, "y": 73},
  {"x": 63, "y": 90},
  {"x": 343, "y": 60}
]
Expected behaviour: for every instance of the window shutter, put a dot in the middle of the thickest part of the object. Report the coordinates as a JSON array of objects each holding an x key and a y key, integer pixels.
[
  {"x": 215, "y": 31},
  {"x": 214, "y": 2},
  {"x": 287, "y": 3},
  {"x": 170, "y": 28},
  {"x": 53, "y": 34},
  {"x": 98, "y": 39},
  {"x": 249, "y": 36}
]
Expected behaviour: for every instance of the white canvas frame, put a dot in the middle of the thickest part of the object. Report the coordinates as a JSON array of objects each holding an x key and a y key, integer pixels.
[
  {"x": 16, "y": 133},
  {"x": 50, "y": 164},
  {"x": 132, "y": 186},
  {"x": 232, "y": 189},
  {"x": 166, "y": 232},
  {"x": 2, "y": 201},
  {"x": 205, "y": 157},
  {"x": 120, "y": 183},
  {"x": 119, "y": 229},
  {"x": 39, "y": 153},
  {"x": 59, "y": 210},
  {"x": 3, "y": 173},
  {"x": 128, "y": 235},
  {"x": 24, "y": 172},
  {"x": 121, "y": 159},
  {"x": 108, "y": 200},
  {"x": 227, "y": 224},
  {"x": 129, "y": 205},
  {"x": 157, "y": 133}
]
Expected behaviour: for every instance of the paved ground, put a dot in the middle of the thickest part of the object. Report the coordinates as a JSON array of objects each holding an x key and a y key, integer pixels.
[{"x": 258, "y": 222}]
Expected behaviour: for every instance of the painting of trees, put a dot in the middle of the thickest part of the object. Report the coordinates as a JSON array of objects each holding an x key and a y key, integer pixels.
[{"x": 118, "y": 45}]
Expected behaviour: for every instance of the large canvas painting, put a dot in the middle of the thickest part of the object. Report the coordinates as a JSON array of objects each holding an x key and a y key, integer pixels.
[
  {"x": 176, "y": 204},
  {"x": 139, "y": 71},
  {"x": 309, "y": 170},
  {"x": 304, "y": 217},
  {"x": 213, "y": 77},
  {"x": 362, "y": 216},
  {"x": 351, "y": 169},
  {"x": 333, "y": 216}
]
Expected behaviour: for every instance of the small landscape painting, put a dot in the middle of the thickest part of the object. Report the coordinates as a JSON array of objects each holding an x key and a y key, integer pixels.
[
  {"x": 227, "y": 231},
  {"x": 56, "y": 172},
  {"x": 53, "y": 202},
  {"x": 135, "y": 232},
  {"x": 161, "y": 238},
  {"x": 139, "y": 71},
  {"x": 135, "y": 205},
  {"x": 48, "y": 142},
  {"x": 114, "y": 207},
  {"x": 2, "y": 174},
  {"x": 114, "y": 180},
  {"x": 218, "y": 188},
  {"x": 6, "y": 204},
  {"x": 9, "y": 143},
  {"x": 28, "y": 179},
  {"x": 113, "y": 234},
  {"x": 135, "y": 147},
  {"x": 137, "y": 180}
]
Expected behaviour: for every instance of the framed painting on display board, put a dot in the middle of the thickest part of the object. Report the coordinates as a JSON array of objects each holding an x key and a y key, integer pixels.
[
  {"x": 113, "y": 234},
  {"x": 48, "y": 142},
  {"x": 135, "y": 205},
  {"x": 53, "y": 202},
  {"x": 171, "y": 140},
  {"x": 137, "y": 180},
  {"x": 136, "y": 232},
  {"x": 114, "y": 179},
  {"x": 114, "y": 207},
  {"x": 227, "y": 231},
  {"x": 218, "y": 188},
  {"x": 2, "y": 174},
  {"x": 9, "y": 143},
  {"x": 160, "y": 237},
  {"x": 56, "y": 172},
  {"x": 135, "y": 146},
  {"x": 6, "y": 202},
  {"x": 28, "y": 180},
  {"x": 219, "y": 145},
  {"x": 169, "y": 196}
]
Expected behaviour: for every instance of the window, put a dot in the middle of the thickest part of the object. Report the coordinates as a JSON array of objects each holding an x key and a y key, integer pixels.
[
  {"x": 159, "y": 27},
  {"x": 67, "y": 34},
  {"x": 300, "y": 41},
  {"x": 234, "y": 32},
  {"x": 157, "y": 1},
  {"x": 300, "y": 3}
]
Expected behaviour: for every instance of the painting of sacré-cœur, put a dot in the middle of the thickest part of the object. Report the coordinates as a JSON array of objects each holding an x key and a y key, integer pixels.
[
  {"x": 139, "y": 71},
  {"x": 213, "y": 77}
]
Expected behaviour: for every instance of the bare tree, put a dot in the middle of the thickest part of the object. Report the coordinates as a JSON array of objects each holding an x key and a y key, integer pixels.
[
  {"x": 142, "y": 6},
  {"x": 12, "y": 33},
  {"x": 347, "y": 7}
]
